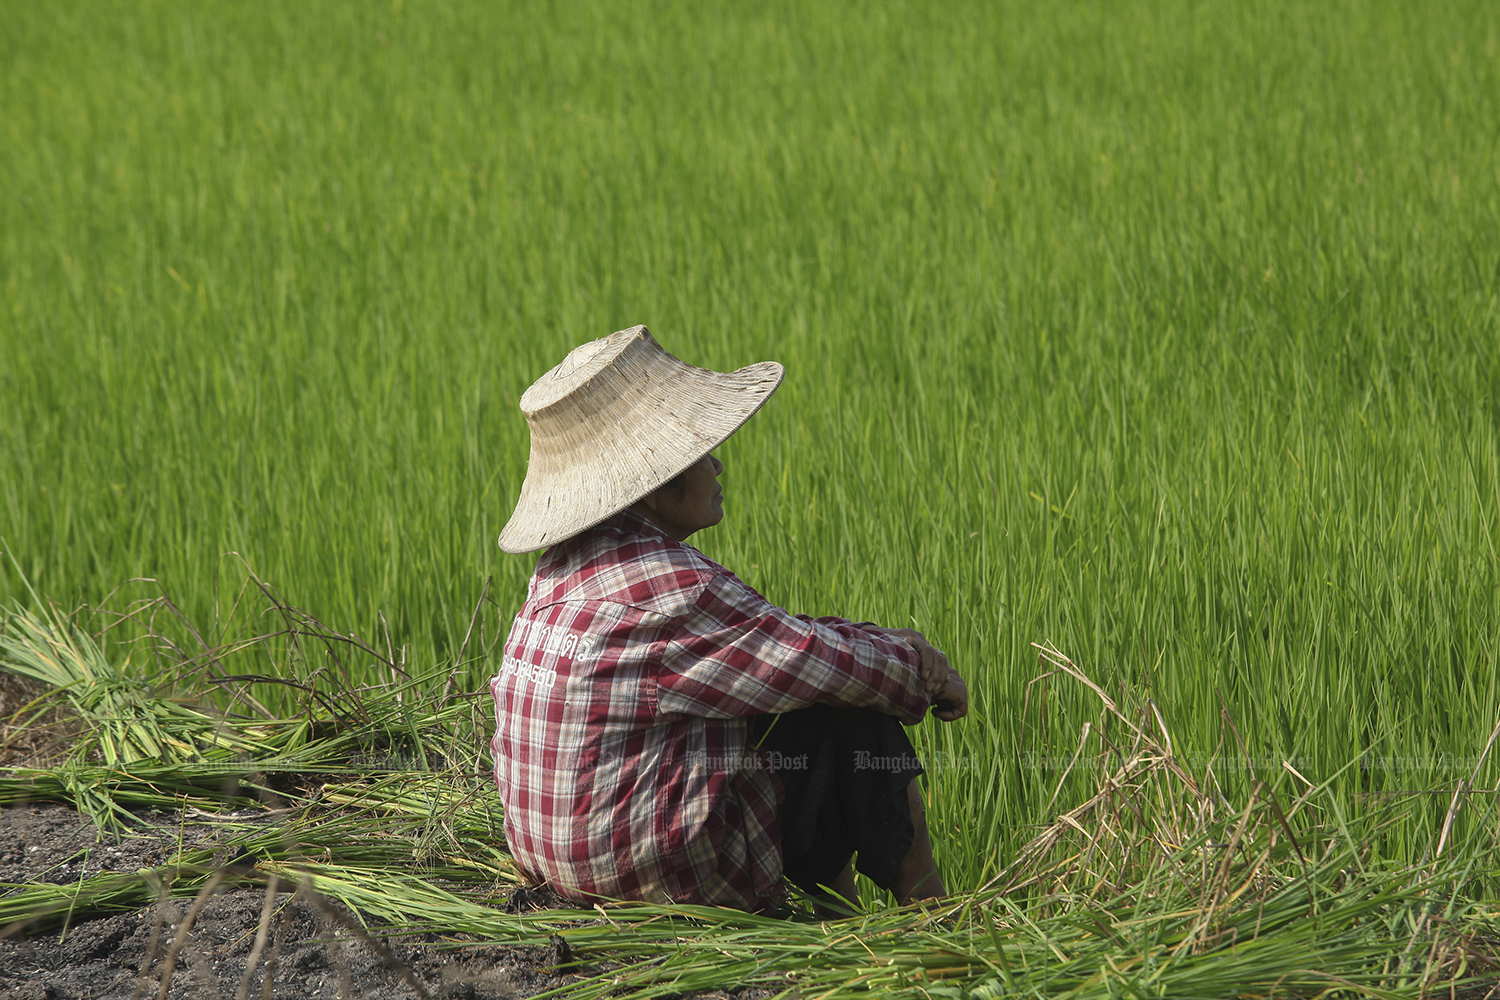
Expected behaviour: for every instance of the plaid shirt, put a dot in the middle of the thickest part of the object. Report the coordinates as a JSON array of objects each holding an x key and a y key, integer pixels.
[{"x": 623, "y": 707}]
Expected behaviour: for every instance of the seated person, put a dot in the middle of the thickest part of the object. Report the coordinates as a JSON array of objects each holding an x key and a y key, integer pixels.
[{"x": 662, "y": 731}]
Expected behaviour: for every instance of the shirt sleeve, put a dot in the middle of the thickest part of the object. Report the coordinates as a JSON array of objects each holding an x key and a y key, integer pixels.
[{"x": 736, "y": 654}]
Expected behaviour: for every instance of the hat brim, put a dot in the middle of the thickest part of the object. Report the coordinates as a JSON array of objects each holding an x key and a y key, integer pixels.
[{"x": 578, "y": 477}]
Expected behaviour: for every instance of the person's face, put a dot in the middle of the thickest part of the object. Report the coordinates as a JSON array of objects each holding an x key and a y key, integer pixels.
[{"x": 699, "y": 504}]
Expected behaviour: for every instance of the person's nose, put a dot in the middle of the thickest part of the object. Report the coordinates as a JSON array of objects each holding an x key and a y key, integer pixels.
[{"x": 718, "y": 465}]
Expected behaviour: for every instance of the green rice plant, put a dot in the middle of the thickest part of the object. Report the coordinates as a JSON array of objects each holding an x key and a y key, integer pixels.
[
  {"x": 125, "y": 721},
  {"x": 1165, "y": 333},
  {"x": 139, "y": 746},
  {"x": 1157, "y": 885}
]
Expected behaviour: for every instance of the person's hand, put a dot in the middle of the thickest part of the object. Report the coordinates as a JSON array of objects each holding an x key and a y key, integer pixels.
[
  {"x": 952, "y": 700},
  {"x": 944, "y": 687}
]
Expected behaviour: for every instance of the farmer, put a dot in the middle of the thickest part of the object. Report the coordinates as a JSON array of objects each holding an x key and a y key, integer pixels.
[{"x": 662, "y": 731}]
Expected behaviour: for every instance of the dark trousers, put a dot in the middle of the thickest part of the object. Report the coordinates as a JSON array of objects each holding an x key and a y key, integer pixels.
[{"x": 844, "y": 773}]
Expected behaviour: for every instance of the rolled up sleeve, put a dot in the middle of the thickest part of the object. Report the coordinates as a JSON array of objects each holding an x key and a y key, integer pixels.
[{"x": 735, "y": 654}]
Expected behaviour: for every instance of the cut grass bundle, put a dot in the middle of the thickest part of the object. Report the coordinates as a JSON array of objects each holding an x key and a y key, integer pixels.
[
  {"x": 128, "y": 734},
  {"x": 133, "y": 744},
  {"x": 127, "y": 721}
]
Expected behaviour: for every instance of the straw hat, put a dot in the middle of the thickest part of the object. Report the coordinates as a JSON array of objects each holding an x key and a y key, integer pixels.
[{"x": 618, "y": 418}]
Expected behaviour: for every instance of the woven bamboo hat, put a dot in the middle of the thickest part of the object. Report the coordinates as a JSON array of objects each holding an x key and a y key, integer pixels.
[{"x": 618, "y": 418}]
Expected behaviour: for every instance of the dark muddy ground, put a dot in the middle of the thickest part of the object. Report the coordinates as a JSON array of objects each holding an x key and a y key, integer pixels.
[{"x": 310, "y": 949}]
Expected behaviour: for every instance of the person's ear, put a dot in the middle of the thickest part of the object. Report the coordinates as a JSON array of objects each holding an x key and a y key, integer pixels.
[{"x": 649, "y": 501}]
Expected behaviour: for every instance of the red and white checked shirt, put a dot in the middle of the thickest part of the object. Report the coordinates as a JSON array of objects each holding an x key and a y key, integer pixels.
[{"x": 623, "y": 707}]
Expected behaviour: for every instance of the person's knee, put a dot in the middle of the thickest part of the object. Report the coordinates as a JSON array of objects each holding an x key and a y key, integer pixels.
[{"x": 918, "y": 805}]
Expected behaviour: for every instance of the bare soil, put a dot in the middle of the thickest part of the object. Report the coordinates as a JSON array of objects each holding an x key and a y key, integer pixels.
[{"x": 310, "y": 950}]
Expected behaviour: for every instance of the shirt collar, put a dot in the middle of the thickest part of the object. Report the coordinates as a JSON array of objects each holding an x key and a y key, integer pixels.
[{"x": 631, "y": 520}]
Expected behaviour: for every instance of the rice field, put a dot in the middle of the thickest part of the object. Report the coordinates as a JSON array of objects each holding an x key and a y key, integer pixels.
[{"x": 1166, "y": 335}]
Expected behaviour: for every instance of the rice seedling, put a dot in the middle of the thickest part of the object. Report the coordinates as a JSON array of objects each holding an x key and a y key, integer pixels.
[{"x": 127, "y": 722}]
